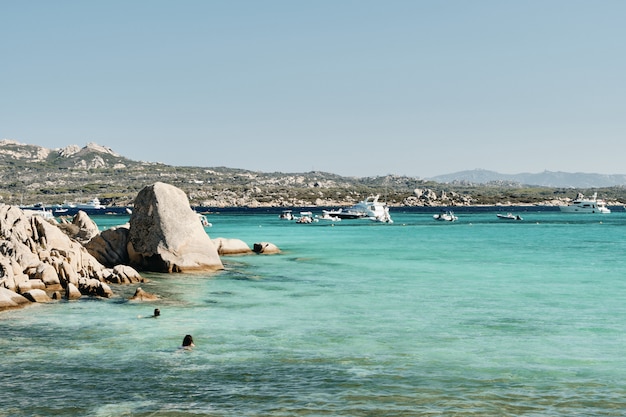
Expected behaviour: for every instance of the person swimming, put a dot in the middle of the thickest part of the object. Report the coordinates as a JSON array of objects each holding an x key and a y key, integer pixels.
[
  {"x": 188, "y": 342},
  {"x": 154, "y": 315}
]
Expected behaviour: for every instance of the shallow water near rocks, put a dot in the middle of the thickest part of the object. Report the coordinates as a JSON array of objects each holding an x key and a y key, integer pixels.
[{"x": 477, "y": 317}]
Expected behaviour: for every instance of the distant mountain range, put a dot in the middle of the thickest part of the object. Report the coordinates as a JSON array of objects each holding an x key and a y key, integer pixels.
[
  {"x": 543, "y": 179},
  {"x": 31, "y": 174}
]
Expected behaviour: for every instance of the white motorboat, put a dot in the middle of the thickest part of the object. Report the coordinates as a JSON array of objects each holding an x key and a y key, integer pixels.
[
  {"x": 94, "y": 204},
  {"x": 306, "y": 217},
  {"x": 204, "y": 221},
  {"x": 286, "y": 215},
  {"x": 509, "y": 216},
  {"x": 586, "y": 205},
  {"x": 370, "y": 208},
  {"x": 446, "y": 216},
  {"x": 347, "y": 213},
  {"x": 326, "y": 216},
  {"x": 46, "y": 214}
]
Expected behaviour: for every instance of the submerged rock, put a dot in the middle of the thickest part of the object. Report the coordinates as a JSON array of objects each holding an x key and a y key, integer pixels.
[
  {"x": 266, "y": 248},
  {"x": 141, "y": 295}
]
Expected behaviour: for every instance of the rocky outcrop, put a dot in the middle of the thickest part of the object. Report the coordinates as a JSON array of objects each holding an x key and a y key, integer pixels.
[
  {"x": 82, "y": 228},
  {"x": 141, "y": 295},
  {"x": 231, "y": 246},
  {"x": 42, "y": 260},
  {"x": 426, "y": 197},
  {"x": 166, "y": 235},
  {"x": 10, "y": 299},
  {"x": 266, "y": 248},
  {"x": 38, "y": 261},
  {"x": 110, "y": 246},
  {"x": 124, "y": 274}
]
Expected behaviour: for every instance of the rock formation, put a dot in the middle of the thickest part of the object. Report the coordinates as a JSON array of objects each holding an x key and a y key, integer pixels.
[
  {"x": 265, "y": 247},
  {"x": 166, "y": 235},
  {"x": 109, "y": 247},
  {"x": 38, "y": 260},
  {"x": 231, "y": 246},
  {"x": 142, "y": 295},
  {"x": 43, "y": 261}
]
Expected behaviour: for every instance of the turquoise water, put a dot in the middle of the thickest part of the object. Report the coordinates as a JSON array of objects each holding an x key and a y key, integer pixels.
[{"x": 481, "y": 317}]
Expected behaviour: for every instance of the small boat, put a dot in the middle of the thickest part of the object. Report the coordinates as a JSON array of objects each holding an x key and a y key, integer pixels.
[
  {"x": 370, "y": 208},
  {"x": 586, "y": 205},
  {"x": 326, "y": 216},
  {"x": 306, "y": 217},
  {"x": 446, "y": 216},
  {"x": 286, "y": 215},
  {"x": 509, "y": 216},
  {"x": 204, "y": 221},
  {"x": 46, "y": 214}
]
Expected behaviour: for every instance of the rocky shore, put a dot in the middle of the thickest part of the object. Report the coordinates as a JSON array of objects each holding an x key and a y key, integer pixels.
[{"x": 43, "y": 260}]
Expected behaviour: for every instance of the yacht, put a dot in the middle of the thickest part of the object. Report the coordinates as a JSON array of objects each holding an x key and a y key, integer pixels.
[
  {"x": 583, "y": 204},
  {"x": 370, "y": 208},
  {"x": 94, "y": 204}
]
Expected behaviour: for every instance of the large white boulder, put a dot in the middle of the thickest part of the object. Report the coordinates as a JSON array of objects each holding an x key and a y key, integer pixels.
[{"x": 166, "y": 235}]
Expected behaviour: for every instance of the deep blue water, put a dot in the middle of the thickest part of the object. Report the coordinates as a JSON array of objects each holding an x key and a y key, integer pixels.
[{"x": 481, "y": 317}]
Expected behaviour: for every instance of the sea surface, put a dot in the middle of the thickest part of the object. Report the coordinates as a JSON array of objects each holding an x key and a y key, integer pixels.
[{"x": 481, "y": 317}]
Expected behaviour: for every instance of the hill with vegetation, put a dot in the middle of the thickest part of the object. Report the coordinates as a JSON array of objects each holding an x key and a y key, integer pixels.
[
  {"x": 543, "y": 179},
  {"x": 31, "y": 174}
]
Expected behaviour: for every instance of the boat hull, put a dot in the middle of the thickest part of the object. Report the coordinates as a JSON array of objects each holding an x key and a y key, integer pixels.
[{"x": 574, "y": 209}]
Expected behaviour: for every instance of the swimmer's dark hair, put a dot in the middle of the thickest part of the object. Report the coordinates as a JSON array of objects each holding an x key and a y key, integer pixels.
[{"x": 188, "y": 341}]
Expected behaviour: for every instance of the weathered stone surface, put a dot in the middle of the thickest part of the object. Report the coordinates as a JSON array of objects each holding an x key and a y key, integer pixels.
[
  {"x": 109, "y": 247},
  {"x": 10, "y": 299},
  {"x": 166, "y": 235},
  {"x": 31, "y": 284},
  {"x": 265, "y": 248},
  {"x": 47, "y": 274},
  {"x": 231, "y": 246},
  {"x": 37, "y": 258},
  {"x": 94, "y": 287},
  {"x": 141, "y": 295},
  {"x": 37, "y": 296},
  {"x": 124, "y": 274},
  {"x": 72, "y": 292},
  {"x": 14, "y": 225},
  {"x": 87, "y": 228}
]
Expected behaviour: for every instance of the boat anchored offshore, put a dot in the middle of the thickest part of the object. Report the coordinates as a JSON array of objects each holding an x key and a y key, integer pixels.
[
  {"x": 370, "y": 208},
  {"x": 306, "y": 217},
  {"x": 509, "y": 216},
  {"x": 446, "y": 216},
  {"x": 586, "y": 205},
  {"x": 94, "y": 204},
  {"x": 287, "y": 215}
]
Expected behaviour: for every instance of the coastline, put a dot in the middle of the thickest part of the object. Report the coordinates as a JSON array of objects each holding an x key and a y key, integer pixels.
[{"x": 277, "y": 209}]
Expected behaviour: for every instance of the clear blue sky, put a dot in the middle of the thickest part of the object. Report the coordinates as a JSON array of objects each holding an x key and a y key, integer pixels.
[{"x": 352, "y": 87}]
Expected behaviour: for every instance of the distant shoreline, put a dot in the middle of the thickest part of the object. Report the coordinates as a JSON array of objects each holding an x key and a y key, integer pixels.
[{"x": 120, "y": 211}]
